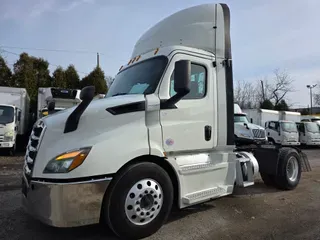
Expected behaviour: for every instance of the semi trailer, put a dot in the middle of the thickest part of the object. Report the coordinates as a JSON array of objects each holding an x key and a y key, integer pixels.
[
  {"x": 14, "y": 117},
  {"x": 163, "y": 136}
]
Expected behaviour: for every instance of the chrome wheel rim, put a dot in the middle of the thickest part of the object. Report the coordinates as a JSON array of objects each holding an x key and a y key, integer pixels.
[
  {"x": 292, "y": 168},
  {"x": 144, "y": 201}
]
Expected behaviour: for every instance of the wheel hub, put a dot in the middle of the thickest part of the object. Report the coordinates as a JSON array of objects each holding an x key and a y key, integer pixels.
[
  {"x": 292, "y": 169},
  {"x": 144, "y": 201}
]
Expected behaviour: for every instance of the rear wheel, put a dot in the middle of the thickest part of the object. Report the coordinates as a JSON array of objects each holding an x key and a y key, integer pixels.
[
  {"x": 289, "y": 171},
  {"x": 139, "y": 201}
]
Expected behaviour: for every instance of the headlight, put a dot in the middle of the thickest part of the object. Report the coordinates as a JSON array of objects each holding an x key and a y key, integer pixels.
[
  {"x": 8, "y": 136},
  {"x": 68, "y": 161},
  {"x": 10, "y": 133},
  {"x": 245, "y": 135}
]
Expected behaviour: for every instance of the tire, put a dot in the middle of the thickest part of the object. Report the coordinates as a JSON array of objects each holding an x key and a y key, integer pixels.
[
  {"x": 271, "y": 141},
  {"x": 289, "y": 169},
  {"x": 268, "y": 179},
  {"x": 143, "y": 188},
  {"x": 12, "y": 151}
]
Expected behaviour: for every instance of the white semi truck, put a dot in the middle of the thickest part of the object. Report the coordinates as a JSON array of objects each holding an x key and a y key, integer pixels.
[
  {"x": 126, "y": 159},
  {"x": 246, "y": 132},
  {"x": 14, "y": 116},
  {"x": 51, "y": 100}
]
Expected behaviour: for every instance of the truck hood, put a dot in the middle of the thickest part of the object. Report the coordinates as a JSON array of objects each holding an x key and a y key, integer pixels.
[
  {"x": 95, "y": 110},
  {"x": 250, "y": 125}
]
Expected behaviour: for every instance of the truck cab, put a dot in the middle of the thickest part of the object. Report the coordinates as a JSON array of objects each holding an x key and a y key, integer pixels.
[
  {"x": 282, "y": 132},
  {"x": 309, "y": 133},
  {"x": 162, "y": 136},
  {"x": 10, "y": 117},
  {"x": 311, "y": 119},
  {"x": 246, "y": 132}
]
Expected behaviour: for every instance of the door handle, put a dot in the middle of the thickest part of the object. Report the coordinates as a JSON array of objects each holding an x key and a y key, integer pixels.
[{"x": 207, "y": 133}]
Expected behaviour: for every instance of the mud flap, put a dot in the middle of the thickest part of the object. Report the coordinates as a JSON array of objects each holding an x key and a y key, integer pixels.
[{"x": 305, "y": 164}]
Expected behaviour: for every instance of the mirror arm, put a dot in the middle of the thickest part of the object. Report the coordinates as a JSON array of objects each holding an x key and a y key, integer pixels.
[{"x": 173, "y": 100}]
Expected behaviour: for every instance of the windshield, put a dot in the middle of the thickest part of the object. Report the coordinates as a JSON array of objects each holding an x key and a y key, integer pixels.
[
  {"x": 289, "y": 126},
  {"x": 6, "y": 114},
  {"x": 142, "y": 78},
  {"x": 240, "y": 118},
  {"x": 316, "y": 120},
  {"x": 312, "y": 127}
]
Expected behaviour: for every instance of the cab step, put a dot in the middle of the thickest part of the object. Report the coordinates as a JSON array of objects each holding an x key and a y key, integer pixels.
[{"x": 204, "y": 195}]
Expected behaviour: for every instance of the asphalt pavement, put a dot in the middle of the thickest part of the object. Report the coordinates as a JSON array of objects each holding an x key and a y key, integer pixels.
[{"x": 257, "y": 212}]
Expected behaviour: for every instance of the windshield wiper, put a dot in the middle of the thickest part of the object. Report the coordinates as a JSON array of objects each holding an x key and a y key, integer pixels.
[{"x": 118, "y": 94}]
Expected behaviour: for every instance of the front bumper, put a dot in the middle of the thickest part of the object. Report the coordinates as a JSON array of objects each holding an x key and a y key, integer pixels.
[
  {"x": 310, "y": 143},
  {"x": 284, "y": 143},
  {"x": 6, "y": 144},
  {"x": 64, "y": 204}
]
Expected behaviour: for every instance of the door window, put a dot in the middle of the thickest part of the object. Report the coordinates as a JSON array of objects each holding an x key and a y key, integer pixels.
[{"x": 198, "y": 82}]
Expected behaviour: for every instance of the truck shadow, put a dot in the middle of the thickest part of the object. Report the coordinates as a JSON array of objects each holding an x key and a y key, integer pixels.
[
  {"x": 97, "y": 231},
  {"x": 258, "y": 188}
]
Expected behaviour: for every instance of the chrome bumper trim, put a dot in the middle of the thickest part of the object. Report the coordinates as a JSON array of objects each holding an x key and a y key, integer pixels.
[{"x": 65, "y": 204}]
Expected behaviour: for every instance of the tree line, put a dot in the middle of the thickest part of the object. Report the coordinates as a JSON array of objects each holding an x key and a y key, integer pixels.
[
  {"x": 31, "y": 73},
  {"x": 266, "y": 93}
]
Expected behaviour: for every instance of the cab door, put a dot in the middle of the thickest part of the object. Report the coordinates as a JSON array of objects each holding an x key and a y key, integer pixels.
[{"x": 191, "y": 124}]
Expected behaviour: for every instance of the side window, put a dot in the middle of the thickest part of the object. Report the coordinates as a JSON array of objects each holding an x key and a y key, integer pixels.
[
  {"x": 198, "y": 83},
  {"x": 272, "y": 125}
]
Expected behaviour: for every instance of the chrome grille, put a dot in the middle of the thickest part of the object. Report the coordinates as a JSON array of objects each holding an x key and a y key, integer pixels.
[
  {"x": 258, "y": 133},
  {"x": 32, "y": 148}
]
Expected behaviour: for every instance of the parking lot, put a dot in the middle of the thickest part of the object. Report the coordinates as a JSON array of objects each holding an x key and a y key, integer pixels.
[{"x": 257, "y": 212}]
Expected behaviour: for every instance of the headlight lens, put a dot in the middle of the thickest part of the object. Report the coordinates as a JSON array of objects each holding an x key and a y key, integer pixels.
[
  {"x": 8, "y": 136},
  {"x": 10, "y": 133},
  {"x": 68, "y": 161}
]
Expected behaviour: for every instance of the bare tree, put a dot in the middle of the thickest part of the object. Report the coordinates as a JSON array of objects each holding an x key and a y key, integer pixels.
[
  {"x": 252, "y": 94},
  {"x": 282, "y": 85},
  {"x": 316, "y": 94},
  {"x": 245, "y": 94},
  {"x": 109, "y": 80}
]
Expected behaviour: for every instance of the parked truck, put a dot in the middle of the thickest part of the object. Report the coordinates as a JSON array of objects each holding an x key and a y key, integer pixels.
[
  {"x": 290, "y": 116},
  {"x": 14, "y": 117},
  {"x": 261, "y": 116},
  {"x": 124, "y": 160},
  {"x": 278, "y": 131},
  {"x": 245, "y": 132},
  {"x": 51, "y": 100},
  {"x": 309, "y": 133}
]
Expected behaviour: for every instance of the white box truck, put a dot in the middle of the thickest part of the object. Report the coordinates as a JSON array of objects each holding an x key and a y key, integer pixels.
[
  {"x": 124, "y": 160},
  {"x": 309, "y": 133},
  {"x": 278, "y": 131},
  {"x": 14, "y": 116},
  {"x": 261, "y": 116},
  {"x": 56, "y": 98},
  {"x": 290, "y": 116}
]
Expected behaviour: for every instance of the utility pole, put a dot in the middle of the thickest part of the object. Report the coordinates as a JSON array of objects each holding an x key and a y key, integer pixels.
[
  {"x": 310, "y": 88},
  {"x": 262, "y": 88},
  {"x": 98, "y": 60}
]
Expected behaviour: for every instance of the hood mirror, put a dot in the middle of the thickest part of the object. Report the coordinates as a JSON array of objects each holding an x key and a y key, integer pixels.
[{"x": 87, "y": 93}]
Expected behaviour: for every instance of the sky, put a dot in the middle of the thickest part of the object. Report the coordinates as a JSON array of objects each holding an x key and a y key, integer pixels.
[{"x": 265, "y": 35}]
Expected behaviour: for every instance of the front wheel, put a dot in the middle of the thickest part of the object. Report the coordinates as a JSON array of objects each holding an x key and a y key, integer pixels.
[{"x": 139, "y": 201}]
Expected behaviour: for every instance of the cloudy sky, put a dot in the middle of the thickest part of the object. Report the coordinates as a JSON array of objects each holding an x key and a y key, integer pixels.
[{"x": 265, "y": 34}]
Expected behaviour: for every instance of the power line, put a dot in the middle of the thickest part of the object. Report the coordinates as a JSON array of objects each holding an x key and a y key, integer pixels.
[
  {"x": 55, "y": 65},
  {"x": 51, "y": 50}
]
